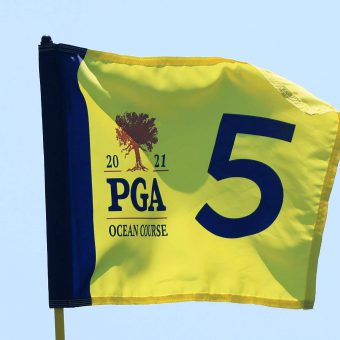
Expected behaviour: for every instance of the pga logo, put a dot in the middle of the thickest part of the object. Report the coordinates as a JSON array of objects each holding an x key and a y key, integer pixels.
[{"x": 142, "y": 199}]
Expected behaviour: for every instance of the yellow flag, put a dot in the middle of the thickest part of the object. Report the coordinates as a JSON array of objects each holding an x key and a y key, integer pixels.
[{"x": 182, "y": 178}]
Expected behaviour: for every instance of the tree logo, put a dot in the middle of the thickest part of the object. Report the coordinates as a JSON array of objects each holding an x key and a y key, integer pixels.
[{"x": 136, "y": 131}]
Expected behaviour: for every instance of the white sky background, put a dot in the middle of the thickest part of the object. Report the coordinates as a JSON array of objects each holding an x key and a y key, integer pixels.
[{"x": 296, "y": 39}]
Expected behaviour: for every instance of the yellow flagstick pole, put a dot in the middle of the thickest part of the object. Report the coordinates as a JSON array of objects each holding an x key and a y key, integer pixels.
[{"x": 59, "y": 323}]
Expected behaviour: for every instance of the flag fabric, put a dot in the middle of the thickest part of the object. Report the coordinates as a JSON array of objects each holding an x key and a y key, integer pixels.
[{"x": 181, "y": 179}]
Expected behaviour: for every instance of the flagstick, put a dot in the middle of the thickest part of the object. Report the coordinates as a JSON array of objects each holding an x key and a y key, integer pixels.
[{"x": 59, "y": 323}]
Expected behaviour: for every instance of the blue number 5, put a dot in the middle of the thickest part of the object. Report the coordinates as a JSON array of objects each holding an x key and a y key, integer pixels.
[{"x": 269, "y": 183}]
